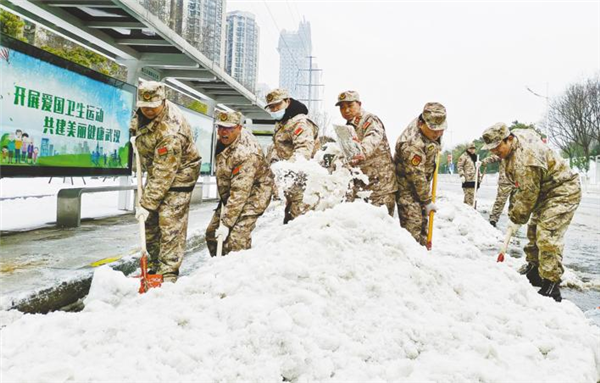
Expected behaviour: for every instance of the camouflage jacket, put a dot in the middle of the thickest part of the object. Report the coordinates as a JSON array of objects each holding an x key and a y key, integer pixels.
[
  {"x": 539, "y": 175},
  {"x": 298, "y": 135},
  {"x": 415, "y": 162},
  {"x": 167, "y": 152},
  {"x": 244, "y": 178},
  {"x": 502, "y": 180},
  {"x": 466, "y": 167},
  {"x": 377, "y": 165}
]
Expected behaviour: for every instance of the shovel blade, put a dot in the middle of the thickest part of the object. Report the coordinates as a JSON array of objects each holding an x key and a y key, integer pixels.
[
  {"x": 148, "y": 281},
  {"x": 500, "y": 257}
]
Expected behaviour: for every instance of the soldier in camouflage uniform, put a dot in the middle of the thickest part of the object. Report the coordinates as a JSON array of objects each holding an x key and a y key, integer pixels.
[
  {"x": 244, "y": 182},
  {"x": 504, "y": 188},
  {"x": 168, "y": 154},
  {"x": 295, "y": 136},
  {"x": 376, "y": 159},
  {"x": 545, "y": 189},
  {"x": 466, "y": 169},
  {"x": 416, "y": 151}
]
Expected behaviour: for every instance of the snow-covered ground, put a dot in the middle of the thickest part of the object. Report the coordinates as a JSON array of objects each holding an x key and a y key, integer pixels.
[
  {"x": 39, "y": 208},
  {"x": 343, "y": 294},
  {"x": 340, "y": 294}
]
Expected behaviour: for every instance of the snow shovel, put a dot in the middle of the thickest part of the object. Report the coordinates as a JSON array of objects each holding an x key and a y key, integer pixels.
[
  {"x": 509, "y": 234},
  {"x": 147, "y": 281},
  {"x": 477, "y": 164},
  {"x": 348, "y": 141},
  {"x": 433, "y": 193},
  {"x": 220, "y": 239}
]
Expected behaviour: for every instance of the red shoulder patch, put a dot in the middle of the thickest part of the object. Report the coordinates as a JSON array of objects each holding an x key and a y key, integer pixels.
[
  {"x": 298, "y": 131},
  {"x": 416, "y": 160},
  {"x": 162, "y": 151},
  {"x": 236, "y": 170},
  {"x": 367, "y": 124}
]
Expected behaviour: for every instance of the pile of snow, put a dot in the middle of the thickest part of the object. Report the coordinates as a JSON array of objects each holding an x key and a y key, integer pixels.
[
  {"x": 322, "y": 189},
  {"x": 341, "y": 294}
]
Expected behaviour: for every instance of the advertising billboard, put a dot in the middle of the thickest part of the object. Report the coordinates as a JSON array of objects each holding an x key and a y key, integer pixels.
[
  {"x": 59, "y": 118},
  {"x": 204, "y": 135}
]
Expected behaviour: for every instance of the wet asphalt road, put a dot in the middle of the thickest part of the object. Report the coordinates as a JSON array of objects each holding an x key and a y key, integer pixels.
[{"x": 582, "y": 242}]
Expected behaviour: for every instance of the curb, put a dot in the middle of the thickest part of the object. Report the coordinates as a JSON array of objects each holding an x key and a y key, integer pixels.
[{"x": 68, "y": 295}]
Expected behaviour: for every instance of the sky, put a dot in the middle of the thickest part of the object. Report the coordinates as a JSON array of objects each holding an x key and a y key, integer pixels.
[{"x": 476, "y": 58}]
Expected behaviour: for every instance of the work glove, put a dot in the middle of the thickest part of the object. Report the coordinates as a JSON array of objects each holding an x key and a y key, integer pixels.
[
  {"x": 141, "y": 212},
  {"x": 222, "y": 232},
  {"x": 514, "y": 227},
  {"x": 430, "y": 207},
  {"x": 463, "y": 179}
]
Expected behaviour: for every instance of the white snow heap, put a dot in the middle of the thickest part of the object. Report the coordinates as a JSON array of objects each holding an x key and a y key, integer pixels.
[
  {"x": 322, "y": 189},
  {"x": 336, "y": 295}
]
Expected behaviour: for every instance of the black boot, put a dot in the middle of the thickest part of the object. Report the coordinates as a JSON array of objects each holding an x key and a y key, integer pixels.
[
  {"x": 530, "y": 270},
  {"x": 493, "y": 223},
  {"x": 551, "y": 289}
]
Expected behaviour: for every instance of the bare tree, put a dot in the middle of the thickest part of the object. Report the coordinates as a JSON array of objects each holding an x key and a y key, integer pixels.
[
  {"x": 593, "y": 88},
  {"x": 323, "y": 121},
  {"x": 572, "y": 123}
]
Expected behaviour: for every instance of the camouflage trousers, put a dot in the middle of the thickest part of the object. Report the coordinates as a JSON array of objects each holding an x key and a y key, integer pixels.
[
  {"x": 387, "y": 200},
  {"x": 469, "y": 196},
  {"x": 239, "y": 238},
  {"x": 412, "y": 216},
  {"x": 501, "y": 197},
  {"x": 545, "y": 232},
  {"x": 295, "y": 206},
  {"x": 166, "y": 232}
]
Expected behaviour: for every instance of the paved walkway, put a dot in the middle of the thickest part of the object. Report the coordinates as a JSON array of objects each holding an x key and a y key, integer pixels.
[{"x": 48, "y": 267}]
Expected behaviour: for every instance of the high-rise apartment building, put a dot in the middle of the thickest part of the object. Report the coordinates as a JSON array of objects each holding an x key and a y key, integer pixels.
[
  {"x": 205, "y": 28},
  {"x": 200, "y": 22},
  {"x": 177, "y": 20},
  {"x": 294, "y": 48},
  {"x": 241, "y": 56},
  {"x": 159, "y": 8}
]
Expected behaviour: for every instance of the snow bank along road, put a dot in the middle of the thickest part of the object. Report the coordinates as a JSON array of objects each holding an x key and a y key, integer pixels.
[{"x": 337, "y": 295}]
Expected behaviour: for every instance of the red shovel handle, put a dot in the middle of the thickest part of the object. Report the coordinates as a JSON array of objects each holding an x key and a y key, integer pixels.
[{"x": 500, "y": 257}]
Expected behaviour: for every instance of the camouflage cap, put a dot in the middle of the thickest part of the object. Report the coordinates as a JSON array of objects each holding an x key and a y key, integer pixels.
[
  {"x": 150, "y": 94},
  {"x": 471, "y": 145},
  {"x": 494, "y": 135},
  {"x": 276, "y": 95},
  {"x": 348, "y": 96},
  {"x": 434, "y": 115},
  {"x": 228, "y": 119}
]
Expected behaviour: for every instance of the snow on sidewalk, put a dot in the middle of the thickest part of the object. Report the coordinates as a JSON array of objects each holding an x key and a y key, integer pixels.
[
  {"x": 29, "y": 203},
  {"x": 336, "y": 295}
]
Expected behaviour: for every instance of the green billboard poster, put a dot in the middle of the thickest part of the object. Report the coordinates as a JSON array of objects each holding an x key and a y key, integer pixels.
[{"x": 59, "y": 118}]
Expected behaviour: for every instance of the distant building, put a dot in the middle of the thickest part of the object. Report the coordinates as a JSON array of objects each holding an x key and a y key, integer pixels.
[
  {"x": 199, "y": 22},
  {"x": 177, "y": 19},
  {"x": 294, "y": 49},
  {"x": 159, "y": 8},
  {"x": 241, "y": 55},
  {"x": 205, "y": 28}
]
